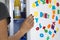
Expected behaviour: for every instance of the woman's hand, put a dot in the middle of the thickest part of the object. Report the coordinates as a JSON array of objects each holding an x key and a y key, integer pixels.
[{"x": 27, "y": 24}]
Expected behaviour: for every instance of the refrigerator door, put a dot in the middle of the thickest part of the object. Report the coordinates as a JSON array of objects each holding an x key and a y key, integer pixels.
[{"x": 46, "y": 19}]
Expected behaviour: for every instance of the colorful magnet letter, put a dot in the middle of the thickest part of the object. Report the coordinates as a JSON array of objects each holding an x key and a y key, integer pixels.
[
  {"x": 53, "y": 12},
  {"x": 44, "y": 27},
  {"x": 48, "y": 38},
  {"x": 41, "y": 35},
  {"x": 43, "y": 1},
  {"x": 52, "y": 27},
  {"x": 37, "y": 4},
  {"x": 41, "y": 14},
  {"x": 33, "y": 5},
  {"x": 54, "y": 31},
  {"x": 50, "y": 1},
  {"x": 36, "y": 14},
  {"x": 37, "y": 28},
  {"x": 59, "y": 21},
  {"x": 57, "y": 4},
  {"x": 40, "y": 25},
  {"x": 47, "y": 1},
  {"x": 36, "y": 20},
  {"x": 53, "y": 35},
  {"x": 58, "y": 11},
  {"x": 53, "y": 23},
  {"x": 49, "y": 26},
  {"x": 53, "y": 16},
  {"x": 46, "y": 30},
  {"x": 57, "y": 29},
  {"x": 50, "y": 5},
  {"x": 56, "y": 18},
  {"x": 48, "y": 16},
  {"x": 45, "y": 15},
  {"x": 39, "y": 1},
  {"x": 50, "y": 32},
  {"x": 53, "y": 7}
]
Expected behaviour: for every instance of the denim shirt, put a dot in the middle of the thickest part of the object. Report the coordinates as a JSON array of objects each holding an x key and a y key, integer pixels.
[{"x": 17, "y": 25}]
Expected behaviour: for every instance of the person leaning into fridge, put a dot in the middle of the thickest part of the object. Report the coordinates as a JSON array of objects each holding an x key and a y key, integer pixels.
[{"x": 5, "y": 20}]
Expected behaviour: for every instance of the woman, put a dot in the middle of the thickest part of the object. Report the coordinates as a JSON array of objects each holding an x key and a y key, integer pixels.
[{"x": 4, "y": 21}]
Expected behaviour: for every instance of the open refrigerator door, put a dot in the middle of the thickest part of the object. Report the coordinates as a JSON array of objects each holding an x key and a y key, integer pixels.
[{"x": 16, "y": 23}]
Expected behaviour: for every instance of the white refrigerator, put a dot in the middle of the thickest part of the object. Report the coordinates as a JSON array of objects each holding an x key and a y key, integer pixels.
[{"x": 46, "y": 19}]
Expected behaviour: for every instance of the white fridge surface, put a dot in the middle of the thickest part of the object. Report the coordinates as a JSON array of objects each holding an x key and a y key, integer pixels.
[{"x": 46, "y": 19}]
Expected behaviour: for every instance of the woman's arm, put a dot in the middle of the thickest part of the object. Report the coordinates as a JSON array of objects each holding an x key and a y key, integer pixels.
[
  {"x": 26, "y": 26},
  {"x": 3, "y": 30}
]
